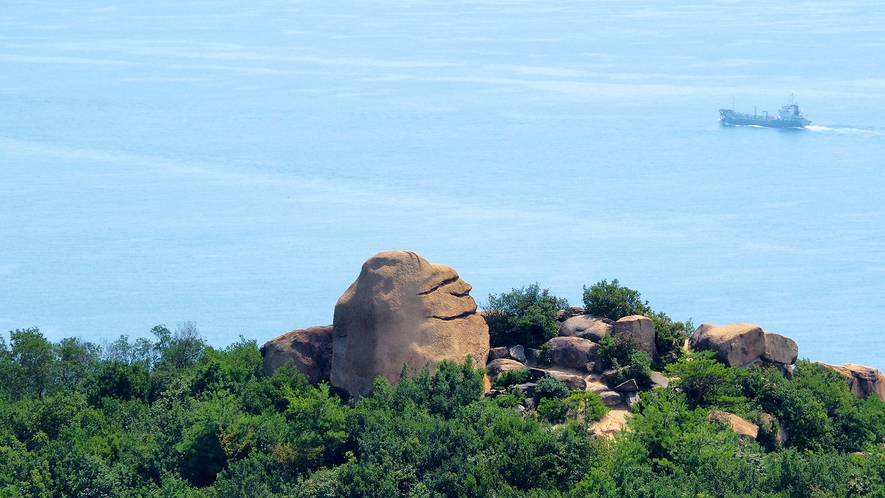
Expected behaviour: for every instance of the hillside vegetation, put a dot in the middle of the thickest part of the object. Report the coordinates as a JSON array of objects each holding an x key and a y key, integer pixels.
[{"x": 172, "y": 416}]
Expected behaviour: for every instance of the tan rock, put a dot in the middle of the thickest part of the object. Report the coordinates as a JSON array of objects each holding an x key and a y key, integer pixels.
[
  {"x": 309, "y": 349},
  {"x": 780, "y": 349},
  {"x": 739, "y": 425},
  {"x": 403, "y": 310},
  {"x": 586, "y": 327},
  {"x": 640, "y": 329},
  {"x": 735, "y": 345},
  {"x": 862, "y": 381}
]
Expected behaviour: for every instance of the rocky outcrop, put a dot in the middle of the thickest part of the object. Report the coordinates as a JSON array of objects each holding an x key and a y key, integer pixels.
[
  {"x": 739, "y": 425},
  {"x": 780, "y": 349},
  {"x": 735, "y": 345},
  {"x": 862, "y": 381},
  {"x": 572, "y": 352},
  {"x": 499, "y": 352},
  {"x": 309, "y": 349},
  {"x": 403, "y": 310},
  {"x": 639, "y": 329},
  {"x": 586, "y": 327}
]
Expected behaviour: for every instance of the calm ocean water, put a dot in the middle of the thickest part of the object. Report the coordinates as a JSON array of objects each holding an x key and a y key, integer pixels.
[{"x": 234, "y": 165}]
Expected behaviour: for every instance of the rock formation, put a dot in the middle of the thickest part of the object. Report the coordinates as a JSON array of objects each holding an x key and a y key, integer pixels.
[
  {"x": 862, "y": 381},
  {"x": 640, "y": 329},
  {"x": 309, "y": 349},
  {"x": 586, "y": 327},
  {"x": 739, "y": 425},
  {"x": 403, "y": 310},
  {"x": 735, "y": 345},
  {"x": 742, "y": 345},
  {"x": 572, "y": 352}
]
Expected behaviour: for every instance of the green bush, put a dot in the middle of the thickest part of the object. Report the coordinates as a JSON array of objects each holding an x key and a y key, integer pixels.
[
  {"x": 526, "y": 316},
  {"x": 552, "y": 410},
  {"x": 548, "y": 387},
  {"x": 615, "y": 352},
  {"x": 510, "y": 377},
  {"x": 612, "y": 301},
  {"x": 585, "y": 404}
]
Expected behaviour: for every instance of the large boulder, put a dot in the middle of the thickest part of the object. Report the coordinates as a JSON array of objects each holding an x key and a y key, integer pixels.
[
  {"x": 639, "y": 329},
  {"x": 780, "y": 349},
  {"x": 309, "y": 349},
  {"x": 862, "y": 381},
  {"x": 403, "y": 310},
  {"x": 735, "y": 345},
  {"x": 572, "y": 352},
  {"x": 586, "y": 327}
]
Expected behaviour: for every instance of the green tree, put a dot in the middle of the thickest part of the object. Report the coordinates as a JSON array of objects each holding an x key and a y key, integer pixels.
[
  {"x": 527, "y": 316},
  {"x": 613, "y": 301}
]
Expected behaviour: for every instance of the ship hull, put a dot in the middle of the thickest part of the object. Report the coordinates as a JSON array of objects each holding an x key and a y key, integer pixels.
[{"x": 729, "y": 117}]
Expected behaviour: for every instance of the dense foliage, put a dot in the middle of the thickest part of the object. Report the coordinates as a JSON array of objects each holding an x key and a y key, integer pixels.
[
  {"x": 174, "y": 417},
  {"x": 527, "y": 316},
  {"x": 614, "y": 301}
]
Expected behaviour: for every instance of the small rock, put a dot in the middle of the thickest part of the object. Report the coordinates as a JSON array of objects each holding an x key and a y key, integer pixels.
[
  {"x": 519, "y": 409},
  {"x": 628, "y": 386},
  {"x": 529, "y": 402},
  {"x": 632, "y": 399},
  {"x": 609, "y": 376},
  {"x": 499, "y": 352},
  {"x": 735, "y": 345},
  {"x": 495, "y": 367},
  {"x": 573, "y": 382},
  {"x": 658, "y": 380},
  {"x": 517, "y": 353},
  {"x": 610, "y": 398}
]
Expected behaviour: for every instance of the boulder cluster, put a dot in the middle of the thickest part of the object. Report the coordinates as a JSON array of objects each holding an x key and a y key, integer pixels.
[{"x": 402, "y": 310}]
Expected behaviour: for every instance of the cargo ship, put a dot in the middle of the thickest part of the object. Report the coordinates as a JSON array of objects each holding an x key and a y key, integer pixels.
[{"x": 790, "y": 116}]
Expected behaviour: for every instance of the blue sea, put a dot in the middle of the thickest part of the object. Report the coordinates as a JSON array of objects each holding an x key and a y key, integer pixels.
[{"x": 233, "y": 163}]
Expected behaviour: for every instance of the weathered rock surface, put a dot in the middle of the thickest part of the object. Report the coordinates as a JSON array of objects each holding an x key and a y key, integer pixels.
[
  {"x": 403, "y": 310},
  {"x": 640, "y": 329},
  {"x": 572, "y": 352},
  {"x": 862, "y": 381},
  {"x": 739, "y": 425},
  {"x": 586, "y": 327},
  {"x": 659, "y": 380},
  {"x": 596, "y": 387},
  {"x": 610, "y": 398},
  {"x": 309, "y": 349},
  {"x": 735, "y": 345},
  {"x": 780, "y": 349},
  {"x": 517, "y": 353},
  {"x": 495, "y": 367},
  {"x": 628, "y": 386},
  {"x": 499, "y": 352},
  {"x": 573, "y": 382}
]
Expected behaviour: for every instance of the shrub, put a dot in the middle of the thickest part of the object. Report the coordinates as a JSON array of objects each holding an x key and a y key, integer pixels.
[
  {"x": 526, "y": 316},
  {"x": 510, "y": 377},
  {"x": 552, "y": 410},
  {"x": 551, "y": 388},
  {"x": 615, "y": 352},
  {"x": 612, "y": 301},
  {"x": 586, "y": 404}
]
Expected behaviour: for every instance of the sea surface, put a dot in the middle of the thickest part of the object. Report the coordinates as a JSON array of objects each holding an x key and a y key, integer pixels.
[{"x": 233, "y": 163}]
